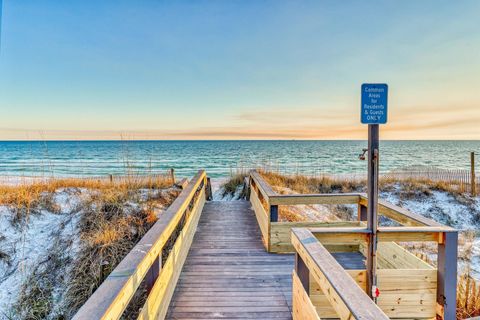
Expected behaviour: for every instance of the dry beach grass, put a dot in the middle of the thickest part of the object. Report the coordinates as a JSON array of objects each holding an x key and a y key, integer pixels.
[{"x": 112, "y": 217}]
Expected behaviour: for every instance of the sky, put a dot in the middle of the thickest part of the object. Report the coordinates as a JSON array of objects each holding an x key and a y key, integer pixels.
[{"x": 114, "y": 69}]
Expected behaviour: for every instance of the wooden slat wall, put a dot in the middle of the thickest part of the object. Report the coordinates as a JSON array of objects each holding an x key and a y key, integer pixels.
[
  {"x": 408, "y": 293},
  {"x": 302, "y": 306},
  {"x": 262, "y": 217},
  {"x": 404, "y": 293},
  {"x": 320, "y": 301},
  {"x": 407, "y": 284},
  {"x": 392, "y": 256},
  {"x": 157, "y": 303}
]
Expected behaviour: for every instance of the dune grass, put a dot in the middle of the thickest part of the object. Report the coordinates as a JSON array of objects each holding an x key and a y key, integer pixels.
[
  {"x": 468, "y": 297},
  {"x": 113, "y": 217},
  {"x": 26, "y": 198},
  {"x": 231, "y": 186},
  {"x": 409, "y": 187},
  {"x": 303, "y": 184}
]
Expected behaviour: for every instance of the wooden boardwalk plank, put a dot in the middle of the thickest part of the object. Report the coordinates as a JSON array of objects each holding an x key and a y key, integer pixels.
[{"x": 228, "y": 274}]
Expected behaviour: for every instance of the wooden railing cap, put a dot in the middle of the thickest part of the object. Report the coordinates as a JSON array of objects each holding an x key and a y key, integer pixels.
[{"x": 109, "y": 300}]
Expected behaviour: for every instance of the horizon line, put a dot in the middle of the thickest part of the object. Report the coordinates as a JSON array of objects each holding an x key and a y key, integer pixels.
[{"x": 220, "y": 140}]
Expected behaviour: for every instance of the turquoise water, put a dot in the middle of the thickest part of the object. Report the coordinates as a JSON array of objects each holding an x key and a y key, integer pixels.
[{"x": 219, "y": 158}]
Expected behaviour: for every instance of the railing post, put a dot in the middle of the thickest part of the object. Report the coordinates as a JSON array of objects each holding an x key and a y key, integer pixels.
[
  {"x": 472, "y": 174},
  {"x": 246, "y": 187},
  {"x": 153, "y": 273},
  {"x": 362, "y": 213},
  {"x": 447, "y": 274},
  {"x": 302, "y": 272},
  {"x": 208, "y": 190},
  {"x": 274, "y": 213}
]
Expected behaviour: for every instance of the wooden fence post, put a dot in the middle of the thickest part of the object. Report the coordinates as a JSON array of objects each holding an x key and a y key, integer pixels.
[
  {"x": 472, "y": 174},
  {"x": 447, "y": 274},
  {"x": 110, "y": 176},
  {"x": 172, "y": 175}
]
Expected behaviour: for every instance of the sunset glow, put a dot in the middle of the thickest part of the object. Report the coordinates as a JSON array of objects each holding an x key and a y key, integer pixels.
[{"x": 236, "y": 70}]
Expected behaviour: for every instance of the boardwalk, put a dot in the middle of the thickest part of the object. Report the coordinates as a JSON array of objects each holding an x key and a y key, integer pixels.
[
  {"x": 219, "y": 268},
  {"x": 228, "y": 274}
]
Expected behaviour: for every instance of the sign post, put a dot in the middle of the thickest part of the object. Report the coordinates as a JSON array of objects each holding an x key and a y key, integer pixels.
[{"x": 373, "y": 113}]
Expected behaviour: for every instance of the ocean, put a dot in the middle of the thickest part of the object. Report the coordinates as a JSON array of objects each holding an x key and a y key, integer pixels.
[{"x": 221, "y": 158}]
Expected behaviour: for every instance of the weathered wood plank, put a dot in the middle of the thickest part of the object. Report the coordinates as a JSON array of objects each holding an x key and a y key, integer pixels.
[
  {"x": 280, "y": 232},
  {"x": 228, "y": 281},
  {"x": 303, "y": 309},
  {"x": 262, "y": 216},
  {"x": 407, "y": 293},
  {"x": 406, "y": 234},
  {"x": 262, "y": 185},
  {"x": 327, "y": 198},
  {"x": 392, "y": 256},
  {"x": 344, "y": 235},
  {"x": 320, "y": 301}
]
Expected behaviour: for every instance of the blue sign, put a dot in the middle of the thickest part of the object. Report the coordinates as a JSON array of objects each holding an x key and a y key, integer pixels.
[{"x": 374, "y": 103}]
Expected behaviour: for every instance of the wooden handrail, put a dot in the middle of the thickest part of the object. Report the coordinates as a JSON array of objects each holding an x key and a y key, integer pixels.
[
  {"x": 320, "y": 198},
  {"x": 414, "y": 228},
  {"x": 263, "y": 186},
  {"x": 400, "y": 214},
  {"x": 387, "y": 234},
  {"x": 343, "y": 293},
  {"x": 385, "y": 208},
  {"x": 112, "y": 297}
]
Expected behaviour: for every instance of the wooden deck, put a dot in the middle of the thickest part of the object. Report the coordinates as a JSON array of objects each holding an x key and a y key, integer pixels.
[{"x": 228, "y": 274}]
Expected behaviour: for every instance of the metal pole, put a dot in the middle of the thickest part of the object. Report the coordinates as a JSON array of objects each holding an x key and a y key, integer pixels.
[
  {"x": 447, "y": 274},
  {"x": 373, "y": 160},
  {"x": 472, "y": 174}
]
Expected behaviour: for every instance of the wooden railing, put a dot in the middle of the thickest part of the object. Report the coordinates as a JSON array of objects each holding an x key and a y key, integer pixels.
[
  {"x": 314, "y": 262},
  {"x": 173, "y": 232},
  {"x": 423, "y": 290}
]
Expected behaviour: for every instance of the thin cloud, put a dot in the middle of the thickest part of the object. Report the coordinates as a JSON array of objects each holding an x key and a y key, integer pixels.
[
  {"x": 417, "y": 122},
  {"x": 293, "y": 114}
]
